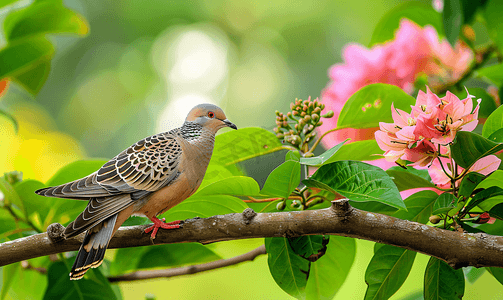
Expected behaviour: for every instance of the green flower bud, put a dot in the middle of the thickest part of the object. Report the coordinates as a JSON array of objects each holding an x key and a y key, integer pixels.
[
  {"x": 281, "y": 205},
  {"x": 307, "y": 118},
  {"x": 329, "y": 114},
  {"x": 280, "y": 135},
  {"x": 315, "y": 118}
]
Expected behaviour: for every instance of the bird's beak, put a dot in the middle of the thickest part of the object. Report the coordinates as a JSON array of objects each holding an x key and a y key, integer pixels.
[{"x": 229, "y": 124}]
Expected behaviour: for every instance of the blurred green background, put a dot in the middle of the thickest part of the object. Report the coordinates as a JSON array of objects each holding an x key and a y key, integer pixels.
[{"x": 144, "y": 64}]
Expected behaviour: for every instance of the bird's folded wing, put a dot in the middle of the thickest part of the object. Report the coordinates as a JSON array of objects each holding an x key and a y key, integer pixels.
[
  {"x": 146, "y": 166},
  {"x": 97, "y": 211}
]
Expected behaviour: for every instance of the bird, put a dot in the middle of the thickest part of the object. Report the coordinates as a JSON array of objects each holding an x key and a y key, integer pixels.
[{"x": 147, "y": 179}]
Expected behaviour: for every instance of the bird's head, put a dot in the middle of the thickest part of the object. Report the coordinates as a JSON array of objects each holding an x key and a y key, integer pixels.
[{"x": 210, "y": 117}]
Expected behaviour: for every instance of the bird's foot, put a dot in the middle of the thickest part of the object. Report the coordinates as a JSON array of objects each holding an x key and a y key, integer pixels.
[{"x": 160, "y": 224}]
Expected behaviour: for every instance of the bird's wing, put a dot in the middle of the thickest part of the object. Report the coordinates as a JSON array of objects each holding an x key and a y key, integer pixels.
[
  {"x": 98, "y": 210},
  {"x": 144, "y": 167}
]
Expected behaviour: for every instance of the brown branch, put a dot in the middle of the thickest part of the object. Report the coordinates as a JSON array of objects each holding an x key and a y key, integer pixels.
[
  {"x": 140, "y": 275},
  {"x": 457, "y": 249}
]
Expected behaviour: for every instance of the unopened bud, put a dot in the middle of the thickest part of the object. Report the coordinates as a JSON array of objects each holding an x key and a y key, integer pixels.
[
  {"x": 315, "y": 117},
  {"x": 317, "y": 110},
  {"x": 280, "y": 135},
  {"x": 319, "y": 123},
  {"x": 295, "y": 113},
  {"x": 289, "y": 114},
  {"x": 276, "y": 129},
  {"x": 277, "y": 113},
  {"x": 285, "y": 124},
  {"x": 435, "y": 219},
  {"x": 329, "y": 114},
  {"x": 303, "y": 114},
  {"x": 292, "y": 105},
  {"x": 307, "y": 118},
  {"x": 295, "y": 204},
  {"x": 281, "y": 205}
]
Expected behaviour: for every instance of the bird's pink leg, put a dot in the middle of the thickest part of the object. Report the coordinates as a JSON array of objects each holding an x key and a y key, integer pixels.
[{"x": 160, "y": 224}]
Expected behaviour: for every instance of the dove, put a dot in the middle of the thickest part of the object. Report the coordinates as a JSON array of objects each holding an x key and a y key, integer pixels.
[{"x": 147, "y": 179}]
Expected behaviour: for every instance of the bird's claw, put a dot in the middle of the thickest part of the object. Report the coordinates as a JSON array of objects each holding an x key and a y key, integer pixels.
[{"x": 160, "y": 224}]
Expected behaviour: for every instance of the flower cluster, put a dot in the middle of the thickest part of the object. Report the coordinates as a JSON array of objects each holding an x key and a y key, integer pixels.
[
  {"x": 414, "y": 53},
  {"x": 419, "y": 137},
  {"x": 424, "y": 134},
  {"x": 298, "y": 126}
]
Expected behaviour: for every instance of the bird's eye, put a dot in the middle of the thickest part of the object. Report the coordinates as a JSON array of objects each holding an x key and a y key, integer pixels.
[{"x": 211, "y": 115}]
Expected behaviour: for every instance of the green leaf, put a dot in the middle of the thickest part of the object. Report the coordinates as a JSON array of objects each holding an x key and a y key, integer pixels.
[
  {"x": 492, "y": 13},
  {"x": 308, "y": 245},
  {"x": 329, "y": 272},
  {"x": 282, "y": 180},
  {"x": 472, "y": 273},
  {"x": 493, "y": 123},
  {"x": 442, "y": 282},
  {"x": 444, "y": 203},
  {"x": 452, "y": 17},
  {"x": 4, "y": 3},
  {"x": 496, "y": 136},
  {"x": 233, "y": 186},
  {"x": 469, "y": 182},
  {"x": 372, "y": 104},
  {"x": 60, "y": 287},
  {"x": 493, "y": 180},
  {"x": 420, "y": 13},
  {"x": 486, "y": 199},
  {"x": 17, "y": 287},
  {"x": 35, "y": 204},
  {"x": 357, "y": 181},
  {"x": 214, "y": 173},
  {"x": 419, "y": 207},
  {"x": 387, "y": 271},
  {"x": 468, "y": 147},
  {"x": 33, "y": 80},
  {"x": 292, "y": 155},
  {"x": 175, "y": 255},
  {"x": 205, "y": 206},
  {"x": 239, "y": 145},
  {"x": 289, "y": 270},
  {"x": 11, "y": 118},
  {"x": 359, "y": 150},
  {"x": 494, "y": 73},
  {"x": 497, "y": 273},
  {"x": 75, "y": 170},
  {"x": 20, "y": 57},
  {"x": 322, "y": 158},
  {"x": 42, "y": 18},
  {"x": 410, "y": 178}
]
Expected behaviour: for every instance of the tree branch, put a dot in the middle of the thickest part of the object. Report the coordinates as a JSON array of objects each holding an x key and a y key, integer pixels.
[
  {"x": 457, "y": 249},
  {"x": 140, "y": 275}
]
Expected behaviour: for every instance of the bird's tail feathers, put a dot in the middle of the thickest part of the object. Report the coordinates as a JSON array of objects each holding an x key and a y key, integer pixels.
[{"x": 92, "y": 250}]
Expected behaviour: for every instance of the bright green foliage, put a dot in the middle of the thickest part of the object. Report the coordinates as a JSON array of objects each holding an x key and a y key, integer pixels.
[
  {"x": 409, "y": 178},
  {"x": 282, "y": 180},
  {"x": 443, "y": 282},
  {"x": 453, "y": 19},
  {"x": 357, "y": 181},
  {"x": 94, "y": 287},
  {"x": 322, "y": 158},
  {"x": 387, "y": 271},
  {"x": 371, "y": 105},
  {"x": 420, "y": 13},
  {"x": 493, "y": 123},
  {"x": 329, "y": 272},
  {"x": 478, "y": 145},
  {"x": 289, "y": 270},
  {"x": 444, "y": 203}
]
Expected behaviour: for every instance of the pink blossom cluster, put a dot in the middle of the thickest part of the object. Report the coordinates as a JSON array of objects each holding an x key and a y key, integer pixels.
[
  {"x": 414, "y": 52},
  {"x": 425, "y": 133}
]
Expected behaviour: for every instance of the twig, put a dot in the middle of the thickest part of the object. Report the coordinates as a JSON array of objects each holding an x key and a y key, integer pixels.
[{"x": 141, "y": 275}]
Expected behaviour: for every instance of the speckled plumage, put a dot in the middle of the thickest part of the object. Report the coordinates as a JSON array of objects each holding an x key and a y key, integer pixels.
[{"x": 148, "y": 178}]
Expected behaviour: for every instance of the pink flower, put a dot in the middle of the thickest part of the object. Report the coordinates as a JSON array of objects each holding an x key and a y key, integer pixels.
[
  {"x": 484, "y": 166},
  {"x": 438, "y": 119},
  {"x": 414, "y": 52}
]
